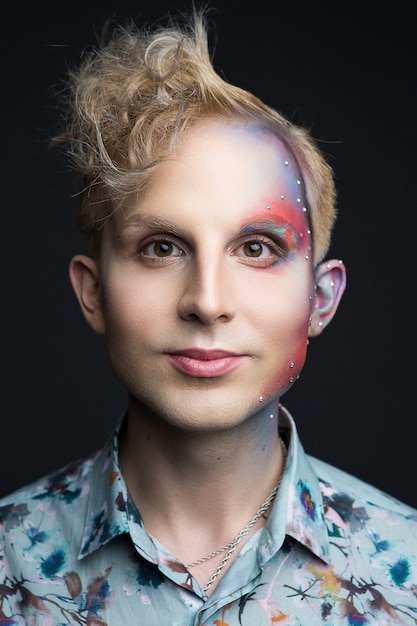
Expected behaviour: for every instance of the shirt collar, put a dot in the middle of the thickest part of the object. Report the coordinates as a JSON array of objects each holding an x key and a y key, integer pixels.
[
  {"x": 298, "y": 509},
  {"x": 106, "y": 512}
]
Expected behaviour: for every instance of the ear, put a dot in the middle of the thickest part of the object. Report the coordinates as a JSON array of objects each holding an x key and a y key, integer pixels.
[
  {"x": 330, "y": 284},
  {"x": 84, "y": 277}
]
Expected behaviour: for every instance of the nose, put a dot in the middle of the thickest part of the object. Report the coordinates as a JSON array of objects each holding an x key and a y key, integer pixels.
[{"x": 208, "y": 294}]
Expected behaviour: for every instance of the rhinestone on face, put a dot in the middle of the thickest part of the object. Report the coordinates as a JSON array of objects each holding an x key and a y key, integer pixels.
[
  {"x": 261, "y": 398},
  {"x": 286, "y": 163},
  {"x": 292, "y": 364}
]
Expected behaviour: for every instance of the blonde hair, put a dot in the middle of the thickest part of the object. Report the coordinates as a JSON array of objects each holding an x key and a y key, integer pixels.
[{"x": 133, "y": 96}]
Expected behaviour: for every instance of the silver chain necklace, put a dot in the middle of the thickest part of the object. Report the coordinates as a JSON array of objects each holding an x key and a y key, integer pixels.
[{"x": 232, "y": 545}]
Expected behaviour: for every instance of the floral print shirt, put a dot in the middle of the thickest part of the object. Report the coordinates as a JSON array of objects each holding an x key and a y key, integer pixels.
[{"x": 335, "y": 551}]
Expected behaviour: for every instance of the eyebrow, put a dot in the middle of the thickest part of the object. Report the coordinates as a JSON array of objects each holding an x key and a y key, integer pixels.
[
  {"x": 146, "y": 221},
  {"x": 170, "y": 226},
  {"x": 268, "y": 225},
  {"x": 282, "y": 227}
]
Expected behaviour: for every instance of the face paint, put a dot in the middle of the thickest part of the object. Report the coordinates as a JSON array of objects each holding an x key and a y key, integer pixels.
[
  {"x": 285, "y": 214},
  {"x": 286, "y": 218},
  {"x": 284, "y": 233}
]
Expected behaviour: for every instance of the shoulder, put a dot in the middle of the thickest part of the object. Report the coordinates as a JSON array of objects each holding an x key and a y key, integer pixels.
[
  {"x": 43, "y": 522},
  {"x": 336, "y": 481},
  {"x": 40, "y": 503},
  {"x": 57, "y": 483},
  {"x": 372, "y": 535}
]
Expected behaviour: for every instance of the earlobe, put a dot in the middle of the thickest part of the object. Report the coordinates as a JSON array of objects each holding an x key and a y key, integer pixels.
[
  {"x": 84, "y": 277},
  {"x": 329, "y": 288}
]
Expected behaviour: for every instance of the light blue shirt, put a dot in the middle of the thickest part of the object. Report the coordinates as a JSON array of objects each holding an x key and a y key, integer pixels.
[{"x": 334, "y": 551}]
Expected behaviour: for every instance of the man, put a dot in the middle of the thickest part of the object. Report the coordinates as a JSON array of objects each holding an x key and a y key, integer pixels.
[{"x": 207, "y": 218}]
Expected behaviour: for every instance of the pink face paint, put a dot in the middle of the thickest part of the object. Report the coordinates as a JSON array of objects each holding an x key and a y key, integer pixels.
[
  {"x": 284, "y": 223},
  {"x": 289, "y": 216},
  {"x": 284, "y": 211},
  {"x": 285, "y": 214},
  {"x": 284, "y": 234},
  {"x": 285, "y": 378}
]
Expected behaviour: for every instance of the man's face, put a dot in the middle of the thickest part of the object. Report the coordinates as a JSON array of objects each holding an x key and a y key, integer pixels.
[{"x": 207, "y": 282}]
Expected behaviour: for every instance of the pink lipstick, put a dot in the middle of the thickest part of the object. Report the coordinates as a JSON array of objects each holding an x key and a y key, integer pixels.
[{"x": 205, "y": 363}]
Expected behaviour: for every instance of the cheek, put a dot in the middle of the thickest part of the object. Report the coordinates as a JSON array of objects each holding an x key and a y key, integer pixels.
[
  {"x": 288, "y": 371},
  {"x": 129, "y": 291},
  {"x": 131, "y": 325},
  {"x": 287, "y": 346},
  {"x": 129, "y": 310}
]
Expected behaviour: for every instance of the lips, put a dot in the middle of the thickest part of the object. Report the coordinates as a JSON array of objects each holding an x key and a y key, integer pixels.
[{"x": 205, "y": 363}]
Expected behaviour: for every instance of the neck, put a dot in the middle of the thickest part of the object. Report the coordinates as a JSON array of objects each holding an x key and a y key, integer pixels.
[
  {"x": 212, "y": 482},
  {"x": 157, "y": 457}
]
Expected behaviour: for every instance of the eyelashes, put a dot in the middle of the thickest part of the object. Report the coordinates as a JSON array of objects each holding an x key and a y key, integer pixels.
[
  {"x": 258, "y": 250},
  {"x": 161, "y": 248}
]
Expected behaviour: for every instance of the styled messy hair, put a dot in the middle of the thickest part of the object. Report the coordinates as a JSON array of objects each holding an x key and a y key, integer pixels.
[{"x": 137, "y": 92}]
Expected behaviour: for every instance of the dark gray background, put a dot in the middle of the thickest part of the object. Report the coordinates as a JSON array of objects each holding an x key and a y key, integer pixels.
[{"x": 349, "y": 76}]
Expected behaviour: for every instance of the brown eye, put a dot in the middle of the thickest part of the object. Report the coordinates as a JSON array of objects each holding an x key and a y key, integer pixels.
[
  {"x": 253, "y": 249},
  {"x": 259, "y": 251},
  {"x": 163, "y": 248}
]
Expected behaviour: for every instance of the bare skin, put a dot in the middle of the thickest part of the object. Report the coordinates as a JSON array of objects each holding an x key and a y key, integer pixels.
[{"x": 199, "y": 480}]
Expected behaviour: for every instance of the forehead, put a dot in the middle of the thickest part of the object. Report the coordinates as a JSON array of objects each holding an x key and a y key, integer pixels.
[
  {"x": 229, "y": 147},
  {"x": 225, "y": 168}
]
